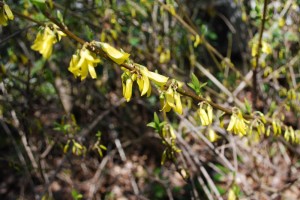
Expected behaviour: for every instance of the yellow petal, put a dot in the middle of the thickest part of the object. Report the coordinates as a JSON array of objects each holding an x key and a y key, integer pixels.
[
  {"x": 292, "y": 133},
  {"x": 178, "y": 107},
  {"x": 146, "y": 85},
  {"x": 209, "y": 113},
  {"x": 286, "y": 134},
  {"x": 8, "y": 12},
  {"x": 212, "y": 136},
  {"x": 203, "y": 117},
  {"x": 149, "y": 91},
  {"x": 158, "y": 79},
  {"x": 170, "y": 97},
  {"x": 3, "y": 20},
  {"x": 84, "y": 69},
  {"x": 197, "y": 41},
  {"x": 84, "y": 53},
  {"x": 232, "y": 122},
  {"x": 92, "y": 71},
  {"x": 140, "y": 83},
  {"x": 266, "y": 48},
  {"x": 128, "y": 90},
  {"x": 114, "y": 54}
]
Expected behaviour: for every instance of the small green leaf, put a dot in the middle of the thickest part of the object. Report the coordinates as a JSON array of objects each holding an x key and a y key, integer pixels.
[
  {"x": 161, "y": 124},
  {"x": 191, "y": 85},
  {"x": 41, "y": 4},
  {"x": 248, "y": 106},
  {"x": 156, "y": 119},
  {"x": 60, "y": 16},
  {"x": 103, "y": 147},
  {"x": 195, "y": 81},
  {"x": 151, "y": 124}
]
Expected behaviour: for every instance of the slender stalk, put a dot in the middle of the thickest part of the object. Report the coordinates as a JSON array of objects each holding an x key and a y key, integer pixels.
[{"x": 255, "y": 67}]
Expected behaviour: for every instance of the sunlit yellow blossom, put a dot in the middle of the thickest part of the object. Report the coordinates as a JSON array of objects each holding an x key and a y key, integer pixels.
[
  {"x": 212, "y": 136},
  {"x": 84, "y": 63},
  {"x": 143, "y": 77},
  {"x": 281, "y": 22},
  {"x": 115, "y": 55},
  {"x": 45, "y": 40},
  {"x": 143, "y": 81},
  {"x": 127, "y": 82},
  {"x": 158, "y": 79},
  {"x": 276, "y": 127},
  {"x": 254, "y": 49},
  {"x": 5, "y": 14},
  {"x": 205, "y": 113},
  {"x": 266, "y": 48},
  {"x": 165, "y": 56},
  {"x": 290, "y": 134},
  {"x": 197, "y": 40},
  {"x": 237, "y": 124},
  {"x": 171, "y": 98}
]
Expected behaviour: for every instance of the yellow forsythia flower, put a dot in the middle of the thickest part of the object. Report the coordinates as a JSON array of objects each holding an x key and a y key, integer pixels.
[
  {"x": 127, "y": 82},
  {"x": 266, "y": 48},
  {"x": 197, "y": 40},
  {"x": 237, "y": 124},
  {"x": 115, "y": 55},
  {"x": 83, "y": 63},
  {"x": 158, "y": 79},
  {"x": 205, "y": 115},
  {"x": 45, "y": 40},
  {"x": 212, "y": 136},
  {"x": 5, "y": 14},
  {"x": 165, "y": 56},
  {"x": 281, "y": 22},
  {"x": 143, "y": 81},
  {"x": 231, "y": 195},
  {"x": 143, "y": 76},
  {"x": 171, "y": 99},
  {"x": 254, "y": 49}
]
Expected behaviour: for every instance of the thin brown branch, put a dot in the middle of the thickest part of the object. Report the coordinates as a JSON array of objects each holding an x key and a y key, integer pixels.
[{"x": 254, "y": 80}]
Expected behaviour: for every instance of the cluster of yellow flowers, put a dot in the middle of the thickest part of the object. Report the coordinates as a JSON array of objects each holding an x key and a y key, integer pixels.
[
  {"x": 237, "y": 124},
  {"x": 291, "y": 135},
  {"x": 84, "y": 62},
  {"x": 170, "y": 98},
  {"x": 46, "y": 38},
  {"x": 205, "y": 114},
  {"x": 127, "y": 82},
  {"x": 5, "y": 14},
  {"x": 142, "y": 76}
]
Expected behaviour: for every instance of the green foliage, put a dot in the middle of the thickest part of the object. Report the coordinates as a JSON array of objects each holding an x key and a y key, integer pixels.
[
  {"x": 76, "y": 195},
  {"x": 156, "y": 124},
  {"x": 195, "y": 84}
]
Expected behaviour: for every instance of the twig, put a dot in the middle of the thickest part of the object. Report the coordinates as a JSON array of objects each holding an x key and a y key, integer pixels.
[
  {"x": 218, "y": 84},
  {"x": 198, "y": 162},
  {"x": 254, "y": 80},
  {"x": 82, "y": 134},
  {"x": 208, "y": 143}
]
